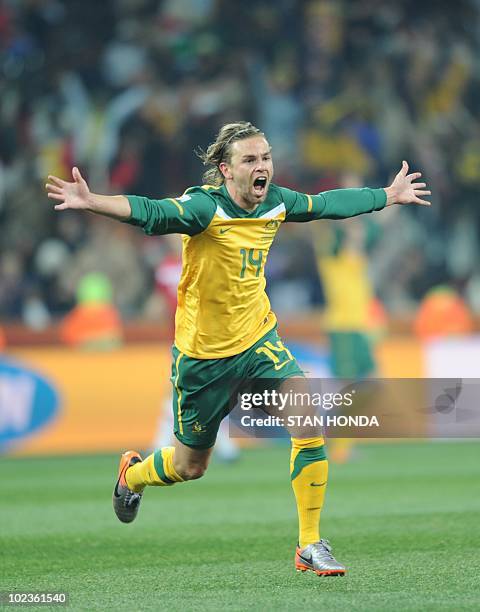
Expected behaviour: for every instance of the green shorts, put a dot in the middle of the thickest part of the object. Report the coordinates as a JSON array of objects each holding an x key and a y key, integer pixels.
[
  {"x": 351, "y": 355},
  {"x": 202, "y": 388}
]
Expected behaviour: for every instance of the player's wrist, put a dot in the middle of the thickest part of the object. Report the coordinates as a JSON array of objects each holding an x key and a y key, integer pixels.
[
  {"x": 90, "y": 204},
  {"x": 392, "y": 195},
  {"x": 117, "y": 207}
]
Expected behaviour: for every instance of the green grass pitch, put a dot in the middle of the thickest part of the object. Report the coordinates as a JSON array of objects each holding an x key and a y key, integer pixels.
[{"x": 404, "y": 518}]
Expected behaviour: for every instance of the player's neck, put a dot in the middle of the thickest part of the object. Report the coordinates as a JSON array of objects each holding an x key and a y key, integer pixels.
[{"x": 238, "y": 199}]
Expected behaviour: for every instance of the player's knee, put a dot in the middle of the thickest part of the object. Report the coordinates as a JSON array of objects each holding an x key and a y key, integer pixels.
[{"x": 193, "y": 471}]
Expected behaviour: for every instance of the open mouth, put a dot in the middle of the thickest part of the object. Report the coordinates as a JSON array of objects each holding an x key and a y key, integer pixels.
[{"x": 259, "y": 185}]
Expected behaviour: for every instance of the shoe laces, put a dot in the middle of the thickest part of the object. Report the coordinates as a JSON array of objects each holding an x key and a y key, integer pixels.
[
  {"x": 323, "y": 549},
  {"x": 132, "y": 499}
]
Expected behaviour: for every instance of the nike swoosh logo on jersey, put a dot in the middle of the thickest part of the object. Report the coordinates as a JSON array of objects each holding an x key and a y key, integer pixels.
[
  {"x": 318, "y": 484},
  {"x": 279, "y": 366},
  {"x": 227, "y": 229}
]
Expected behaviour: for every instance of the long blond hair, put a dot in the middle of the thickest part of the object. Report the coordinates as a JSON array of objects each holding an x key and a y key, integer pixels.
[{"x": 220, "y": 150}]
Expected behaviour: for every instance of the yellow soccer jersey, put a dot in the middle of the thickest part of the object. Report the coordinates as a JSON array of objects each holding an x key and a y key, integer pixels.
[{"x": 222, "y": 305}]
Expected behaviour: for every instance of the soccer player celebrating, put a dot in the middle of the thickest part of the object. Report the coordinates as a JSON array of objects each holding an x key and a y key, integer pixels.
[{"x": 224, "y": 326}]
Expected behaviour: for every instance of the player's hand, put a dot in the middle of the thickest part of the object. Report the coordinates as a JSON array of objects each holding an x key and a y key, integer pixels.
[
  {"x": 403, "y": 190},
  {"x": 75, "y": 195}
]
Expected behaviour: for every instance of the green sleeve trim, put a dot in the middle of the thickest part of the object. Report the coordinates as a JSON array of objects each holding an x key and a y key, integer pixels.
[{"x": 305, "y": 457}]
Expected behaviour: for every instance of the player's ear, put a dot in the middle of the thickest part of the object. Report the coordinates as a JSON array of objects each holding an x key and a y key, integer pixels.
[{"x": 225, "y": 170}]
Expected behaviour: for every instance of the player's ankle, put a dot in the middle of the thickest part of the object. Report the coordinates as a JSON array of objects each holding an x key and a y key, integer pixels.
[{"x": 136, "y": 488}]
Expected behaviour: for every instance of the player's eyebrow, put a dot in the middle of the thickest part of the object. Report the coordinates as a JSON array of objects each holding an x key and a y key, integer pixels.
[{"x": 247, "y": 156}]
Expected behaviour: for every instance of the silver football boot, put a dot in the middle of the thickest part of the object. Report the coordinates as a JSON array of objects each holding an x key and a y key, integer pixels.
[{"x": 318, "y": 558}]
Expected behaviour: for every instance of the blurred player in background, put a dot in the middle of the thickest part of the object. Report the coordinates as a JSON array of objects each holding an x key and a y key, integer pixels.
[
  {"x": 342, "y": 268},
  {"x": 350, "y": 306},
  {"x": 224, "y": 323}
]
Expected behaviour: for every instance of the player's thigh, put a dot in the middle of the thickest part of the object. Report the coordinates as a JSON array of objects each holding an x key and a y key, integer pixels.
[
  {"x": 274, "y": 368},
  {"x": 200, "y": 400},
  {"x": 300, "y": 415},
  {"x": 295, "y": 409},
  {"x": 271, "y": 359}
]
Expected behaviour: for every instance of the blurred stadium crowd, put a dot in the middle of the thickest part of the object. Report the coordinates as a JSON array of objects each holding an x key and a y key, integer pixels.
[{"x": 127, "y": 89}]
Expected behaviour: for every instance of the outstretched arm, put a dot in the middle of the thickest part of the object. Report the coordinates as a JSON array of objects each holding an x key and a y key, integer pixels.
[
  {"x": 404, "y": 191},
  {"x": 189, "y": 214},
  {"x": 345, "y": 203},
  {"x": 77, "y": 196}
]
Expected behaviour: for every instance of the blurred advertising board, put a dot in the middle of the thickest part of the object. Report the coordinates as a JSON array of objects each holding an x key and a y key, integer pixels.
[
  {"x": 59, "y": 400},
  {"x": 56, "y": 400}
]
